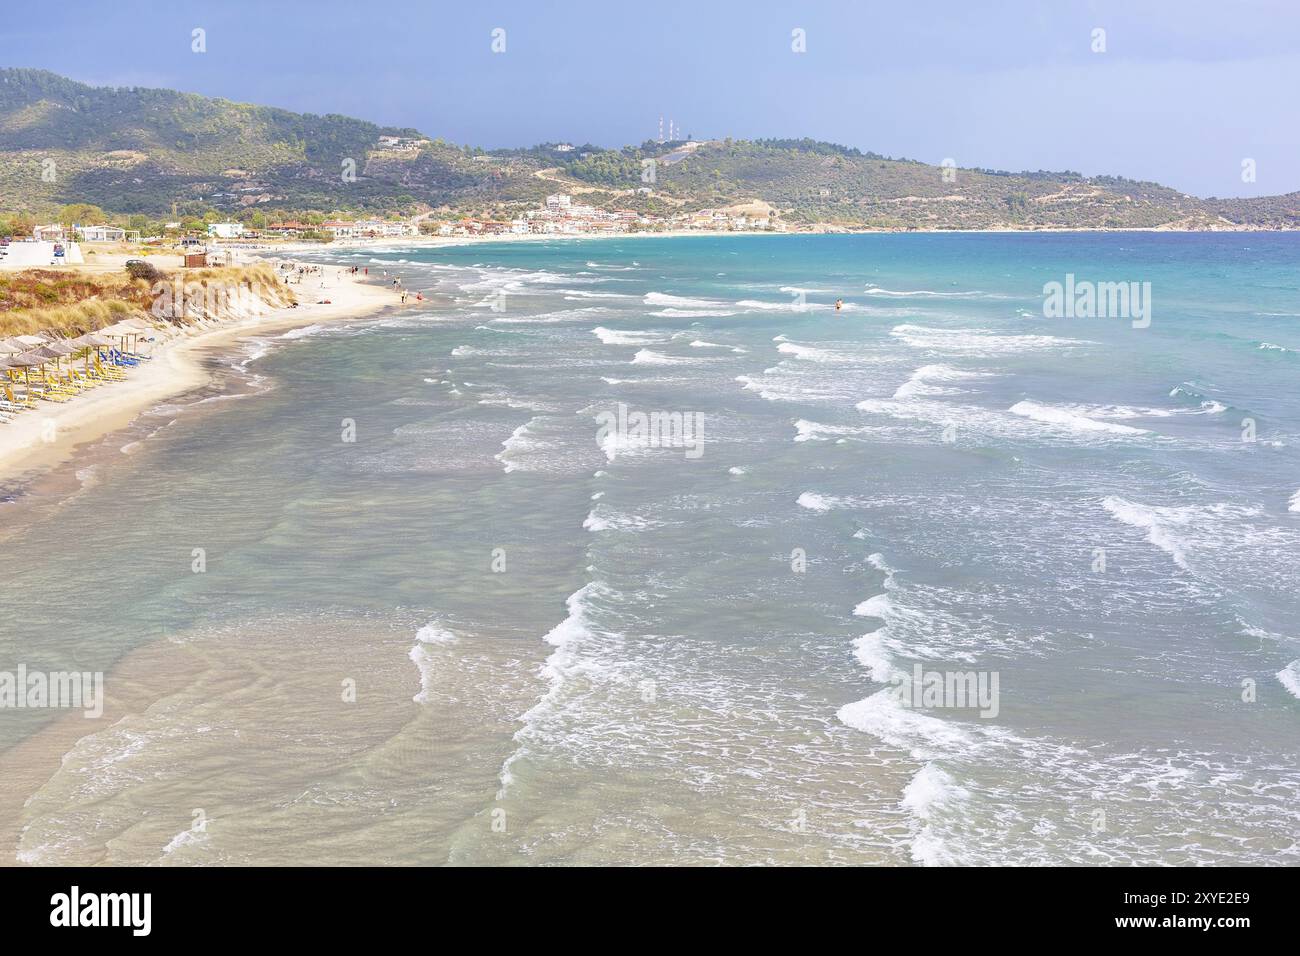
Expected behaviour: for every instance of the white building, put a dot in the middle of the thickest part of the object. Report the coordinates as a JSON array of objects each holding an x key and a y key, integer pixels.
[
  {"x": 339, "y": 229},
  {"x": 100, "y": 233},
  {"x": 560, "y": 202},
  {"x": 383, "y": 228},
  {"x": 226, "y": 230}
]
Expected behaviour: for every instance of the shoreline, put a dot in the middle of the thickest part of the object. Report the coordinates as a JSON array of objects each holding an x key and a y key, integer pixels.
[
  {"x": 432, "y": 242},
  {"x": 177, "y": 368}
]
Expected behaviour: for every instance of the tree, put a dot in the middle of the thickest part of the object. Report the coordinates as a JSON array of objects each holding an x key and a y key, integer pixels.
[
  {"x": 83, "y": 214},
  {"x": 17, "y": 224}
]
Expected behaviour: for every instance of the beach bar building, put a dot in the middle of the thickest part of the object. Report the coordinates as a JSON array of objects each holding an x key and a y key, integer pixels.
[{"x": 100, "y": 233}]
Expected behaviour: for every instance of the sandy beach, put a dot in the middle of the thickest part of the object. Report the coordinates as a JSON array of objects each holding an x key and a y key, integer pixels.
[{"x": 44, "y": 437}]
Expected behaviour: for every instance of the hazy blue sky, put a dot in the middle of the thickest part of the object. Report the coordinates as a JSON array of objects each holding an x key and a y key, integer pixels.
[{"x": 1183, "y": 93}]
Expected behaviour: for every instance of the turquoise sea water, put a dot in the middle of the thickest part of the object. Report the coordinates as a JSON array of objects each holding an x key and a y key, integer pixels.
[{"x": 572, "y": 647}]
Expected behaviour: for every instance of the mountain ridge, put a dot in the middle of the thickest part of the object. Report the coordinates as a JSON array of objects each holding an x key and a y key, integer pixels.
[{"x": 156, "y": 152}]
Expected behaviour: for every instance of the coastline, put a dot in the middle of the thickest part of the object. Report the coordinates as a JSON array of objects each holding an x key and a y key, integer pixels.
[
  {"x": 433, "y": 242},
  {"x": 176, "y": 368}
]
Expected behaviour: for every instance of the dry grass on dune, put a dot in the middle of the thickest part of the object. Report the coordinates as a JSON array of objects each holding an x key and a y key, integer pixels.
[{"x": 40, "y": 300}]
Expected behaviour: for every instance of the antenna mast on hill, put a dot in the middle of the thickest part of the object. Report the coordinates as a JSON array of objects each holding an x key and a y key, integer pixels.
[{"x": 661, "y": 129}]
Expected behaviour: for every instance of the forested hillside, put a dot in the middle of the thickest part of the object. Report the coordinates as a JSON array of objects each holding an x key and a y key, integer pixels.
[{"x": 159, "y": 153}]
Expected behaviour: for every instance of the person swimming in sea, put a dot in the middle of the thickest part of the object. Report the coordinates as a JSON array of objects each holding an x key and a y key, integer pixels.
[{"x": 839, "y": 304}]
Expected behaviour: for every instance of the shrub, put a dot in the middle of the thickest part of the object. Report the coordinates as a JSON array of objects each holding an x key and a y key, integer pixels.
[{"x": 143, "y": 270}]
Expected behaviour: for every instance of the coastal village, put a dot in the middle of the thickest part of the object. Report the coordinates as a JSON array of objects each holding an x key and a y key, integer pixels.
[
  {"x": 560, "y": 215},
  {"x": 55, "y": 244}
]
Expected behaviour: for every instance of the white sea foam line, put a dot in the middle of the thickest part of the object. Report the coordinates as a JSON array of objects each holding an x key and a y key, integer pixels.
[
  {"x": 1147, "y": 519},
  {"x": 430, "y": 635},
  {"x": 928, "y": 793},
  {"x": 974, "y": 293},
  {"x": 815, "y": 502},
  {"x": 565, "y": 637},
  {"x": 626, "y": 337},
  {"x": 188, "y": 837},
  {"x": 1028, "y": 420},
  {"x": 978, "y": 340},
  {"x": 700, "y": 344},
  {"x": 517, "y": 442},
  {"x": 1064, "y": 418},
  {"x": 760, "y": 305},
  {"x": 549, "y": 318},
  {"x": 1137, "y": 411},
  {"x": 304, "y": 332},
  {"x": 692, "y": 313},
  {"x": 651, "y": 357},
  {"x": 815, "y": 431},
  {"x": 575, "y": 294},
  {"x": 682, "y": 301},
  {"x": 808, "y": 353},
  {"x": 1289, "y": 677},
  {"x": 602, "y": 518},
  {"x": 922, "y": 381},
  {"x": 1206, "y": 529}
]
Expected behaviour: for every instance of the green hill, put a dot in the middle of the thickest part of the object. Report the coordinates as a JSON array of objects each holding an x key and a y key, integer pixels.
[
  {"x": 141, "y": 150},
  {"x": 820, "y": 183},
  {"x": 147, "y": 152}
]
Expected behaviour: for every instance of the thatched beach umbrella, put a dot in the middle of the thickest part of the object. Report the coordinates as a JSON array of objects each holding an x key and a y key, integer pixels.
[
  {"x": 64, "y": 348},
  {"x": 118, "y": 331},
  {"x": 28, "y": 361},
  {"x": 127, "y": 328},
  {"x": 5, "y": 366},
  {"x": 60, "y": 349},
  {"x": 90, "y": 342}
]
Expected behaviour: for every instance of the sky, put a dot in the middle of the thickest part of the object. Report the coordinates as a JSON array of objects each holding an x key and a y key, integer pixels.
[{"x": 1182, "y": 93}]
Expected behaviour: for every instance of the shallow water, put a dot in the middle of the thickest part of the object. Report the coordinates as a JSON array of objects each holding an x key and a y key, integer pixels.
[{"x": 477, "y": 633}]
